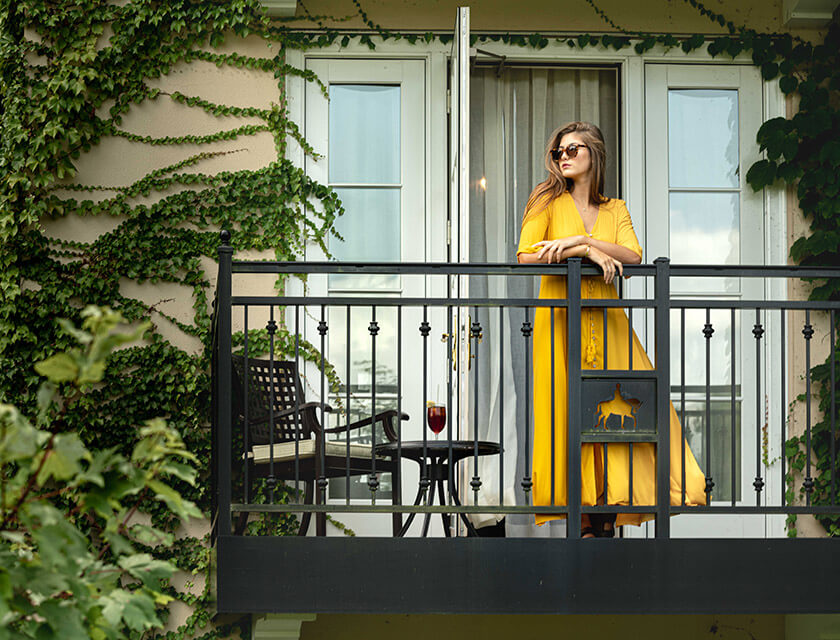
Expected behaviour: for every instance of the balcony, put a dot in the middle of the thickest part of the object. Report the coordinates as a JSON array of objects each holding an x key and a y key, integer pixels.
[{"x": 351, "y": 440}]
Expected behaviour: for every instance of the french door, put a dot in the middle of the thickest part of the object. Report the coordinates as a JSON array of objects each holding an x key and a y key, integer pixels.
[
  {"x": 700, "y": 125},
  {"x": 370, "y": 132}
]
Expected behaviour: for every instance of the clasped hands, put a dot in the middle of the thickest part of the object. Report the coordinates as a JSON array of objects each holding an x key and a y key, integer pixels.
[{"x": 553, "y": 251}]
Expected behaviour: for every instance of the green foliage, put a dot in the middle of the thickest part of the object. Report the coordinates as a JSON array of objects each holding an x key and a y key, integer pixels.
[
  {"x": 70, "y": 73},
  {"x": 73, "y": 564}
]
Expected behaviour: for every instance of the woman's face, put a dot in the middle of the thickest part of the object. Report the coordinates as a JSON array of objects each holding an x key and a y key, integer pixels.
[{"x": 577, "y": 167}]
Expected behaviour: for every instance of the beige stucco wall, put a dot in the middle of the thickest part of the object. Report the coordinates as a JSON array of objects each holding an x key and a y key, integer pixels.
[
  {"x": 120, "y": 162},
  {"x": 603, "y": 627},
  {"x": 670, "y": 16}
]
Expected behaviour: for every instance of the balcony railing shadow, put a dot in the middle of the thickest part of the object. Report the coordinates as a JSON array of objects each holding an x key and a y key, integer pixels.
[{"x": 322, "y": 400}]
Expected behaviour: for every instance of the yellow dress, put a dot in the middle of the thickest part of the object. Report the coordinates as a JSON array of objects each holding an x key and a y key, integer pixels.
[{"x": 558, "y": 220}]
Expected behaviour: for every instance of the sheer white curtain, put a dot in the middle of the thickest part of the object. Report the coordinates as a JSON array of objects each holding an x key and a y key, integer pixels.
[{"x": 511, "y": 117}]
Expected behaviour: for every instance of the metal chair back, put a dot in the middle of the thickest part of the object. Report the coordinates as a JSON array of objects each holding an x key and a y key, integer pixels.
[{"x": 267, "y": 386}]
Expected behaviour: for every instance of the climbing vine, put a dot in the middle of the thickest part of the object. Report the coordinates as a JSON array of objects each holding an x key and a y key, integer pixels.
[{"x": 71, "y": 72}]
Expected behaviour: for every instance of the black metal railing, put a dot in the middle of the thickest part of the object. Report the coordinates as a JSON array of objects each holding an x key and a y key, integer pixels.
[{"x": 266, "y": 357}]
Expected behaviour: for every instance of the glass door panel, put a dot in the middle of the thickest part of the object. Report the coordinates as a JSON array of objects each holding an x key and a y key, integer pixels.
[
  {"x": 364, "y": 134},
  {"x": 371, "y": 135},
  {"x": 703, "y": 183},
  {"x": 700, "y": 127}
]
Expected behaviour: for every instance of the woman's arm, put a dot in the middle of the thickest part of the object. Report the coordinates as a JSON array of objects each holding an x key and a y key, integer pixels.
[
  {"x": 580, "y": 247},
  {"x": 554, "y": 251},
  {"x": 571, "y": 246},
  {"x": 617, "y": 251}
]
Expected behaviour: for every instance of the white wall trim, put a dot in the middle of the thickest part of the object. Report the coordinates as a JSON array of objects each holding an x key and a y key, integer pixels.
[
  {"x": 279, "y": 626},
  {"x": 775, "y": 252},
  {"x": 285, "y": 8}
]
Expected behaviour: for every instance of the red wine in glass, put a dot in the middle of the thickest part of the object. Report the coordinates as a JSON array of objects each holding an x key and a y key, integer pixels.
[{"x": 436, "y": 417}]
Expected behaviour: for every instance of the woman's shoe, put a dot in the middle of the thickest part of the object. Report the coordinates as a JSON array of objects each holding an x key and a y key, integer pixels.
[
  {"x": 603, "y": 524},
  {"x": 592, "y": 532}
]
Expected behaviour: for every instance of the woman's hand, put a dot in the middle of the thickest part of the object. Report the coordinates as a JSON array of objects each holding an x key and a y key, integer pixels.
[
  {"x": 553, "y": 249},
  {"x": 607, "y": 263}
]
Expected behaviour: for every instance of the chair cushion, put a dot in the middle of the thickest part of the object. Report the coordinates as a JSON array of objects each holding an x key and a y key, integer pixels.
[{"x": 285, "y": 451}]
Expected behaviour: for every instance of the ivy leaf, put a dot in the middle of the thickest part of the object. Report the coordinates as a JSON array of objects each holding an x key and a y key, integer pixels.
[
  {"x": 58, "y": 368},
  {"x": 790, "y": 146},
  {"x": 769, "y": 70},
  {"x": 694, "y": 42},
  {"x": 734, "y": 47},
  {"x": 136, "y": 609},
  {"x": 798, "y": 250},
  {"x": 63, "y": 460},
  {"x": 788, "y": 84},
  {"x": 645, "y": 45},
  {"x": 79, "y": 335},
  {"x": 66, "y": 621},
  {"x": 761, "y": 174},
  {"x": 830, "y": 153},
  {"x": 150, "y": 536},
  {"x": 717, "y": 46},
  {"x": 147, "y": 569},
  {"x": 789, "y": 172},
  {"x": 772, "y": 136},
  {"x": 21, "y": 440}
]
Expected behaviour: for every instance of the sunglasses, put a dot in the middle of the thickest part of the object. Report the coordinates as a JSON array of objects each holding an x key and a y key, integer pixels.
[{"x": 571, "y": 151}]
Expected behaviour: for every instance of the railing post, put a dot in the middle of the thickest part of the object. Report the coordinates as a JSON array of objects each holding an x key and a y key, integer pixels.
[
  {"x": 573, "y": 480},
  {"x": 662, "y": 296},
  {"x": 224, "y": 386}
]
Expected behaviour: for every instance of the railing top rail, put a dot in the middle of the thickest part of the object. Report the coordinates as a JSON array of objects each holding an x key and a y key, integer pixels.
[{"x": 504, "y": 269}]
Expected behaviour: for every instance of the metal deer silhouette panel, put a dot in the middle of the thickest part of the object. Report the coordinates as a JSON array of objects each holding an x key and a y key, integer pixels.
[{"x": 618, "y": 410}]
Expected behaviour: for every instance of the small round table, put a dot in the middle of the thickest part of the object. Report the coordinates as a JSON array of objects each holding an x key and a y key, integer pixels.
[{"x": 437, "y": 472}]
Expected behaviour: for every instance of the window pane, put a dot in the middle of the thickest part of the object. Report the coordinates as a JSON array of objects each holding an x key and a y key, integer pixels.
[
  {"x": 720, "y": 427},
  {"x": 370, "y": 227},
  {"x": 705, "y": 229},
  {"x": 703, "y": 138},
  {"x": 359, "y": 487},
  {"x": 720, "y": 409},
  {"x": 361, "y": 357},
  {"x": 361, "y": 349},
  {"x": 720, "y": 348},
  {"x": 364, "y": 134}
]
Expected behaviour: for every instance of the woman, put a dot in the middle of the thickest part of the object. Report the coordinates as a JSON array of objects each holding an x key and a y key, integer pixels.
[{"x": 568, "y": 216}]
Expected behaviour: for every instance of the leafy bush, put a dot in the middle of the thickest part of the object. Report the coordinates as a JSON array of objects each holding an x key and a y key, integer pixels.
[{"x": 74, "y": 560}]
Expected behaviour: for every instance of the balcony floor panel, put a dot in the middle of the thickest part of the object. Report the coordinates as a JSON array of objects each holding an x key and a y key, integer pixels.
[{"x": 492, "y": 575}]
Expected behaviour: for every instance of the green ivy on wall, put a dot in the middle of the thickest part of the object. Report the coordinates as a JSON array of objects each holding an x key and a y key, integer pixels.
[{"x": 72, "y": 70}]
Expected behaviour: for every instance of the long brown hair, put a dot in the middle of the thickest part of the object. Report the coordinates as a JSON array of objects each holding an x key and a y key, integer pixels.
[{"x": 556, "y": 185}]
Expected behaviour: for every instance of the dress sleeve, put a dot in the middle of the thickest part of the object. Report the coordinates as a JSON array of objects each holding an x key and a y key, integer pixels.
[
  {"x": 624, "y": 235},
  {"x": 533, "y": 231}
]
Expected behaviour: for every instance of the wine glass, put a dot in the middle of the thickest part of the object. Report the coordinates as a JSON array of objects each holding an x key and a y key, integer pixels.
[{"x": 436, "y": 417}]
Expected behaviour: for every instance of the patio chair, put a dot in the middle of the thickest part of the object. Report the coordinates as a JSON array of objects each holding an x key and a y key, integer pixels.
[{"x": 302, "y": 439}]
